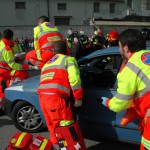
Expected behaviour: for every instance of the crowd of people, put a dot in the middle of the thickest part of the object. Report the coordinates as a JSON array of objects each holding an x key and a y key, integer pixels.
[
  {"x": 80, "y": 44},
  {"x": 25, "y": 43},
  {"x": 60, "y": 84}
]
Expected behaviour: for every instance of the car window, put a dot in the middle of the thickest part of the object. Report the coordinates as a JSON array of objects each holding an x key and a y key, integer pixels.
[{"x": 101, "y": 71}]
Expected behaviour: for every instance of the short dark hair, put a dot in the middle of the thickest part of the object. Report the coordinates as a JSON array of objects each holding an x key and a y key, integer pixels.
[
  {"x": 134, "y": 39},
  {"x": 60, "y": 47},
  {"x": 44, "y": 19},
  {"x": 8, "y": 34}
]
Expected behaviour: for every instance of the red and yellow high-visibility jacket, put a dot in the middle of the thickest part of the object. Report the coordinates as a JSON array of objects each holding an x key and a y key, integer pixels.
[
  {"x": 17, "y": 48},
  {"x": 44, "y": 36},
  {"x": 7, "y": 60},
  {"x": 133, "y": 85},
  {"x": 61, "y": 75}
]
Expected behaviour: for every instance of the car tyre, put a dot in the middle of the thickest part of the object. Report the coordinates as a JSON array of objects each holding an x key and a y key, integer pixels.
[{"x": 26, "y": 118}]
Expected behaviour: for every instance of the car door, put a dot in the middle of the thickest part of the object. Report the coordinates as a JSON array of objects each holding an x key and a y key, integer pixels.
[{"x": 98, "y": 76}]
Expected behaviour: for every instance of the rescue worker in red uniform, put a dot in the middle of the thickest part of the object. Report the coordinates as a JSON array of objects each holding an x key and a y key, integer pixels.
[
  {"x": 45, "y": 34},
  {"x": 59, "y": 76},
  {"x": 9, "y": 69},
  {"x": 112, "y": 38},
  {"x": 134, "y": 82}
]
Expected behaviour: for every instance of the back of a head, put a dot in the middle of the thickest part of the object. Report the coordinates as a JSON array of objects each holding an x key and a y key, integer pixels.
[
  {"x": 43, "y": 19},
  {"x": 8, "y": 34},
  {"x": 60, "y": 47},
  {"x": 134, "y": 39}
]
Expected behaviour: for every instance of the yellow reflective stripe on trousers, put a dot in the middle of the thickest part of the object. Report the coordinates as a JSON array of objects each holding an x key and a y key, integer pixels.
[
  {"x": 146, "y": 143},
  {"x": 12, "y": 72},
  {"x": 20, "y": 139},
  {"x": 64, "y": 123},
  {"x": 43, "y": 144}
]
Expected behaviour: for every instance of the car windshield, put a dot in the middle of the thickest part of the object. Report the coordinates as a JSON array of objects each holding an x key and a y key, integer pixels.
[{"x": 101, "y": 71}]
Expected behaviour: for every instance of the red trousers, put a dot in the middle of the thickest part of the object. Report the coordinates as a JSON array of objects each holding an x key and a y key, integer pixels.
[
  {"x": 55, "y": 109},
  {"x": 32, "y": 58},
  {"x": 5, "y": 75},
  {"x": 146, "y": 134}
]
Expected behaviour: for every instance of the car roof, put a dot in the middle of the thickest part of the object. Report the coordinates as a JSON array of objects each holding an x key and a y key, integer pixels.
[
  {"x": 105, "y": 51},
  {"x": 111, "y": 50}
]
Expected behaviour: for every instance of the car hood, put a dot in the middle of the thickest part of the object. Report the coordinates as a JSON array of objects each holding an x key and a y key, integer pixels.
[{"x": 27, "y": 85}]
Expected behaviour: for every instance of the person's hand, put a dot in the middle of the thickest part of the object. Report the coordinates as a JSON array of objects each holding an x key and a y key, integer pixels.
[
  {"x": 78, "y": 103},
  {"x": 104, "y": 99}
]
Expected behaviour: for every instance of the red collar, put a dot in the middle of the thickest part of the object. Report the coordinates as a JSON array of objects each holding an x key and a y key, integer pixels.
[
  {"x": 7, "y": 42},
  {"x": 123, "y": 65}
]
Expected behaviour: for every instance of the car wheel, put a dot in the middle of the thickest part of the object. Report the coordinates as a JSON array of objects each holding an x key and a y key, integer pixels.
[{"x": 26, "y": 118}]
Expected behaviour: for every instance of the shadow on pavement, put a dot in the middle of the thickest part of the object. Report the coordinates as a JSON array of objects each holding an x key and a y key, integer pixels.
[
  {"x": 4, "y": 122},
  {"x": 112, "y": 144}
]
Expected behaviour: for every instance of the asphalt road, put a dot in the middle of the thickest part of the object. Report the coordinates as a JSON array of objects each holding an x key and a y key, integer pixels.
[{"x": 7, "y": 130}]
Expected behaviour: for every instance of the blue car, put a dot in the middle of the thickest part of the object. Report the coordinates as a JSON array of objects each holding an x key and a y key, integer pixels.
[{"x": 98, "y": 73}]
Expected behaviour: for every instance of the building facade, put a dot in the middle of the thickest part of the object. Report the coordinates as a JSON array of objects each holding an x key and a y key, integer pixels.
[{"x": 71, "y": 12}]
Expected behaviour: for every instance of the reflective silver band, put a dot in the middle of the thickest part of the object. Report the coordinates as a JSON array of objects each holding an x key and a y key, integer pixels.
[
  {"x": 76, "y": 87},
  {"x": 143, "y": 78},
  {"x": 139, "y": 72},
  {"x": 70, "y": 64},
  {"x": 124, "y": 96},
  {"x": 148, "y": 113},
  {"x": 48, "y": 32},
  {"x": 11, "y": 61},
  {"x": 47, "y": 45},
  {"x": 35, "y": 39},
  {"x": 1, "y": 51},
  {"x": 56, "y": 86},
  {"x": 8, "y": 68},
  {"x": 40, "y": 27},
  {"x": 60, "y": 66}
]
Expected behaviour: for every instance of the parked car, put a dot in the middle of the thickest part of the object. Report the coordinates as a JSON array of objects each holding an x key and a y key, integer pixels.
[{"x": 98, "y": 73}]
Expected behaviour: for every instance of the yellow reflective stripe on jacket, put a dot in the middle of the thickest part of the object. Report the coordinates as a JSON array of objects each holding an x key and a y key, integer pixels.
[
  {"x": 70, "y": 65},
  {"x": 42, "y": 29},
  {"x": 42, "y": 147},
  {"x": 145, "y": 142},
  {"x": 48, "y": 32},
  {"x": 143, "y": 78},
  {"x": 17, "y": 48},
  {"x": 64, "y": 123},
  {"x": 73, "y": 72},
  {"x": 22, "y": 135},
  {"x": 7, "y": 57},
  {"x": 133, "y": 82},
  {"x": 1, "y": 51},
  {"x": 58, "y": 64}
]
